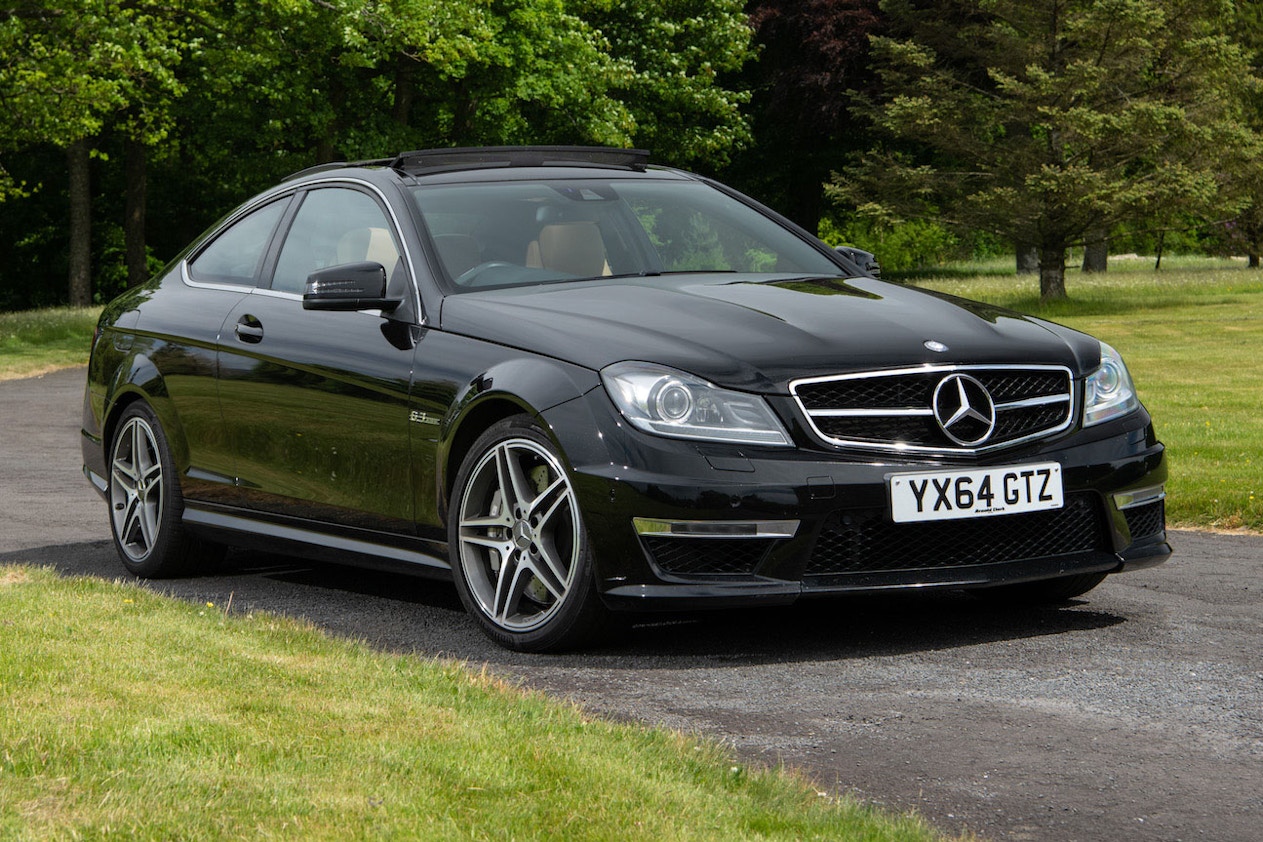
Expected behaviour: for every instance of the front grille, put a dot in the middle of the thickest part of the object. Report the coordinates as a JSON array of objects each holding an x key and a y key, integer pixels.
[
  {"x": 859, "y": 544},
  {"x": 1146, "y": 520},
  {"x": 894, "y": 410},
  {"x": 707, "y": 556}
]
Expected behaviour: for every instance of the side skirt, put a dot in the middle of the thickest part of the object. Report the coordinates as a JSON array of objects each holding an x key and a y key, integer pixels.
[{"x": 253, "y": 533}]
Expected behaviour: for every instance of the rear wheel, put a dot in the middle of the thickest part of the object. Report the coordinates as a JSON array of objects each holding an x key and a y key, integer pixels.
[
  {"x": 520, "y": 553},
  {"x": 1047, "y": 592},
  {"x": 146, "y": 504}
]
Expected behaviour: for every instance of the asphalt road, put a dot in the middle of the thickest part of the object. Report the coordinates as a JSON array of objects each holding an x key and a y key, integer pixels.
[{"x": 1134, "y": 714}]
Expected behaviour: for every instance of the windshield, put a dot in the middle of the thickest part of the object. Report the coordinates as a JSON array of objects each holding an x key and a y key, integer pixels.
[{"x": 521, "y": 232}]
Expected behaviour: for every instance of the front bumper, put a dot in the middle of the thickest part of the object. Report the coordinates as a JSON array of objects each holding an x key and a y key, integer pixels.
[{"x": 680, "y": 525}]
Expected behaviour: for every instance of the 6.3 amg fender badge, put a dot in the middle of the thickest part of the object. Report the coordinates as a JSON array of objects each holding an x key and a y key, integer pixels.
[
  {"x": 418, "y": 417},
  {"x": 964, "y": 410}
]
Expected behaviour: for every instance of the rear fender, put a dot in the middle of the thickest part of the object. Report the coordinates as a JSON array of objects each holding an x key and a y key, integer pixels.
[{"x": 140, "y": 379}]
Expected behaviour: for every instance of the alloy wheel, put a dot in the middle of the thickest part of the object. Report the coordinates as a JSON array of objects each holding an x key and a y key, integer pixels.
[
  {"x": 136, "y": 489},
  {"x": 519, "y": 534}
]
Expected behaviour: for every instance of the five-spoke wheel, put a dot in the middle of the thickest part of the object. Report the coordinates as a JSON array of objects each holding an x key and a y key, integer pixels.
[
  {"x": 519, "y": 549},
  {"x": 136, "y": 488},
  {"x": 145, "y": 501}
]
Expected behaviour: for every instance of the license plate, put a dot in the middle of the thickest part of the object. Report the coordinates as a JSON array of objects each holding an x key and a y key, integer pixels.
[{"x": 951, "y": 495}]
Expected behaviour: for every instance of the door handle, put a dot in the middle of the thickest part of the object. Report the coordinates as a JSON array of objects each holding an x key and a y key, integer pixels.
[{"x": 249, "y": 329}]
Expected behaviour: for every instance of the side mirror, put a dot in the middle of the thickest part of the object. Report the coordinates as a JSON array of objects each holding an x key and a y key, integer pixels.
[
  {"x": 351, "y": 286},
  {"x": 865, "y": 260}
]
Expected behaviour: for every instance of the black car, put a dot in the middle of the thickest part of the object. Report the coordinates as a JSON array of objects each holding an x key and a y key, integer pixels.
[{"x": 579, "y": 384}]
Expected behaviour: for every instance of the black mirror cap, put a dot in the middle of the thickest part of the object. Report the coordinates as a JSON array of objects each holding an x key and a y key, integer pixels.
[
  {"x": 350, "y": 286},
  {"x": 865, "y": 260}
]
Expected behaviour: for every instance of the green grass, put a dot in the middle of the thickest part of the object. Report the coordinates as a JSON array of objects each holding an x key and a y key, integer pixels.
[
  {"x": 1191, "y": 337},
  {"x": 127, "y": 714},
  {"x": 34, "y": 342}
]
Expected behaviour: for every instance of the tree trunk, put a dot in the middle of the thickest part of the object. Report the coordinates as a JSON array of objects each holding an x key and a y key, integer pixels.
[
  {"x": 1253, "y": 261},
  {"x": 1096, "y": 252},
  {"x": 405, "y": 88},
  {"x": 463, "y": 114},
  {"x": 1027, "y": 259},
  {"x": 1052, "y": 273},
  {"x": 134, "y": 214},
  {"x": 1157, "y": 264},
  {"x": 804, "y": 191},
  {"x": 77, "y": 155}
]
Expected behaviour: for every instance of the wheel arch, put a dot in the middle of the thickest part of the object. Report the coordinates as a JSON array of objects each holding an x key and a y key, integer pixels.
[
  {"x": 472, "y": 424},
  {"x": 537, "y": 386},
  {"x": 142, "y": 381}
]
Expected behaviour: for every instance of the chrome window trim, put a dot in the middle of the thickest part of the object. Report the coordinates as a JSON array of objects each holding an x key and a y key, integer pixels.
[
  {"x": 294, "y": 189},
  {"x": 1070, "y": 399},
  {"x": 244, "y": 289}
]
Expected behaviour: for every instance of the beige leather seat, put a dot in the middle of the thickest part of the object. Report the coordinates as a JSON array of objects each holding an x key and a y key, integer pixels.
[
  {"x": 575, "y": 248},
  {"x": 365, "y": 244}
]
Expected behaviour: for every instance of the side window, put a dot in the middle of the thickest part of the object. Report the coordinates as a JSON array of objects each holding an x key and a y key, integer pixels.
[
  {"x": 334, "y": 226},
  {"x": 236, "y": 255}
]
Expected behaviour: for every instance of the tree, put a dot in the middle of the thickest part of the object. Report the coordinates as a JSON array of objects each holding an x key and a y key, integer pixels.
[
  {"x": 72, "y": 68},
  {"x": 1041, "y": 122},
  {"x": 675, "y": 55},
  {"x": 810, "y": 55},
  {"x": 173, "y": 112},
  {"x": 1244, "y": 234}
]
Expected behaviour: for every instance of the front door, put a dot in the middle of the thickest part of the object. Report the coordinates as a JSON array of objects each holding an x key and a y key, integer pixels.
[{"x": 316, "y": 403}]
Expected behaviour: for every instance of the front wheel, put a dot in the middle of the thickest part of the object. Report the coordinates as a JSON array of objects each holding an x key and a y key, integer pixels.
[
  {"x": 146, "y": 504},
  {"x": 520, "y": 553}
]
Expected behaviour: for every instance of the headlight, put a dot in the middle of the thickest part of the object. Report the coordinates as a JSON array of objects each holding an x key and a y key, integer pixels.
[
  {"x": 1110, "y": 392},
  {"x": 667, "y": 402}
]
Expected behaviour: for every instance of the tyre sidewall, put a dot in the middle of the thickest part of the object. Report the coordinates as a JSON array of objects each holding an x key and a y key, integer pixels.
[
  {"x": 169, "y": 555},
  {"x": 581, "y": 613}
]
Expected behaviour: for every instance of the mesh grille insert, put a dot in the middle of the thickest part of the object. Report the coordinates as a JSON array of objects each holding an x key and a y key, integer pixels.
[
  {"x": 1146, "y": 520},
  {"x": 875, "y": 544},
  {"x": 708, "y": 556}
]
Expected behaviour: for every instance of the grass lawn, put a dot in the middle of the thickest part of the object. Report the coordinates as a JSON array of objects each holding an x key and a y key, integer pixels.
[
  {"x": 34, "y": 342},
  {"x": 1190, "y": 334},
  {"x": 126, "y": 714}
]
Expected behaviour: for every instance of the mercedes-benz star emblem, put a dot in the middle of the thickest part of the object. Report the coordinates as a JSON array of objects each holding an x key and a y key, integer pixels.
[
  {"x": 935, "y": 346},
  {"x": 964, "y": 410}
]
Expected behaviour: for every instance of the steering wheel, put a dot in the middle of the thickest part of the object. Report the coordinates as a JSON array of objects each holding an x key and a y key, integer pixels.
[{"x": 470, "y": 276}]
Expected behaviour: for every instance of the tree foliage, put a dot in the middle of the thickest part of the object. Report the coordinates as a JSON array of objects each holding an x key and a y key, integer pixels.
[
  {"x": 1042, "y": 121},
  {"x": 811, "y": 52},
  {"x": 216, "y": 99},
  {"x": 70, "y": 67},
  {"x": 675, "y": 54}
]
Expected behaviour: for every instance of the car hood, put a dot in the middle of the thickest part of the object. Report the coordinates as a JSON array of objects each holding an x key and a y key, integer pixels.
[{"x": 758, "y": 334}]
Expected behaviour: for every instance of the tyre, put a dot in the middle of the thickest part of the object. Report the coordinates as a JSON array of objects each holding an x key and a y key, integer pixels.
[
  {"x": 520, "y": 553},
  {"x": 1047, "y": 592},
  {"x": 146, "y": 504}
]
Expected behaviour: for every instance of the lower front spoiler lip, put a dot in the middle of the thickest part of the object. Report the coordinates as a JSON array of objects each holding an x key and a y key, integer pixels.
[{"x": 731, "y": 592}]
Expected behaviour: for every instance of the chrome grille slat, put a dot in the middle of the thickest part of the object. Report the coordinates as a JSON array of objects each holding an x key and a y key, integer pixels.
[{"x": 892, "y": 410}]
